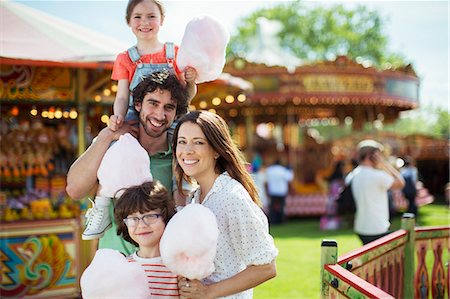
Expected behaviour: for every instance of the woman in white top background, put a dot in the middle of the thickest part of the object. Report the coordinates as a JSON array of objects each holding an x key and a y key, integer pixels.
[{"x": 245, "y": 258}]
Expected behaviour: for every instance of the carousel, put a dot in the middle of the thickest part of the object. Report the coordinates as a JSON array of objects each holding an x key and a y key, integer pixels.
[
  {"x": 290, "y": 100},
  {"x": 279, "y": 117}
]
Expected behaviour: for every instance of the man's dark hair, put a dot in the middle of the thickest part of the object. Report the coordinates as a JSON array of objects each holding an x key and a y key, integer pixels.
[
  {"x": 163, "y": 80},
  {"x": 142, "y": 198}
]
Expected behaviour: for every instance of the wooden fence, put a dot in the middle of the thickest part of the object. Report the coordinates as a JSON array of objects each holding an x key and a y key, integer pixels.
[{"x": 394, "y": 266}]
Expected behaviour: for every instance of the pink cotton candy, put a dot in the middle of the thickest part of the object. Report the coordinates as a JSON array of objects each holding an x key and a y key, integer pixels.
[
  {"x": 203, "y": 48},
  {"x": 110, "y": 275},
  {"x": 125, "y": 164},
  {"x": 188, "y": 245}
]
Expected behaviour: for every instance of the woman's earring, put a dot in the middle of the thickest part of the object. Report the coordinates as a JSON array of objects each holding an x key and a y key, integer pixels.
[{"x": 216, "y": 156}]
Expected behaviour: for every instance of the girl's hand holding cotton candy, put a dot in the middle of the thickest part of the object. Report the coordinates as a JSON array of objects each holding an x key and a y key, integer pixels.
[{"x": 203, "y": 48}]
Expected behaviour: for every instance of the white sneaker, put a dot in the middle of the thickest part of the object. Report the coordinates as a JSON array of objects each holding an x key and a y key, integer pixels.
[{"x": 98, "y": 220}]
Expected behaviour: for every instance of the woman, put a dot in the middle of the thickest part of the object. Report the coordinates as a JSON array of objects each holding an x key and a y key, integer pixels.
[{"x": 246, "y": 254}]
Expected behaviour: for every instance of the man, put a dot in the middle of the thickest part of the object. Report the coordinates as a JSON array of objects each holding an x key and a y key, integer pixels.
[
  {"x": 278, "y": 178},
  {"x": 410, "y": 175},
  {"x": 159, "y": 99},
  {"x": 370, "y": 181}
]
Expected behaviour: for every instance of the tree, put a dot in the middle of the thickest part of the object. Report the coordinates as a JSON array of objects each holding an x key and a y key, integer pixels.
[
  {"x": 322, "y": 33},
  {"x": 432, "y": 121}
]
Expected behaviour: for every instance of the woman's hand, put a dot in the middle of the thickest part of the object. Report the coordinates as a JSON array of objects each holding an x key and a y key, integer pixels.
[{"x": 192, "y": 289}]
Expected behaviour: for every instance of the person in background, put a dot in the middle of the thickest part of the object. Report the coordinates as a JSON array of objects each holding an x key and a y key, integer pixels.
[
  {"x": 335, "y": 185},
  {"x": 278, "y": 179},
  {"x": 410, "y": 175},
  {"x": 260, "y": 178},
  {"x": 371, "y": 180},
  {"x": 447, "y": 193},
  {"x": 205, "y": 151}
]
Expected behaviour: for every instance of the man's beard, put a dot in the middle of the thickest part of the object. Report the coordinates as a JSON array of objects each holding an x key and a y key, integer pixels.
[{"x": 150, "y": 132}]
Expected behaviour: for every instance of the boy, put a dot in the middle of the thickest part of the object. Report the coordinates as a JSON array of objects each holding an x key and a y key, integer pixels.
[{"x": 141, "y": 215}]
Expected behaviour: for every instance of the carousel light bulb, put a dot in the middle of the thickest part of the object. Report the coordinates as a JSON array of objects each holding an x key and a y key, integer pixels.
[
  {"x": 216, "y": 101},
  {"x": 399, "y": 162},
  {"x": 15, "y": 111},
  {"x": 98, "y": 98},
  {"x": 107, "y": 92},
  {"x": 44, "y": 113},
  {"x": 203, "y": 104},
  {"x": 212, "y": 110},
  {"x": 348, "y": 120},
  {"x": 114, "y": 88},
  {"x": 33, "y": 111},
  {"x": 241, "y": 98},
  {"x": 334, "y": 121},
  {"x": 51, "y": 114},
  {"x": 378, "y": 124},
  {"x": 66, "y": 114},
  {"x": 233, "y": 112},
  {"x": 192, "y": 108},
  {"x": 73, "y": 114},
  {"x": 58, "y": 113},
  {"x": 229, "y": 99},
  {"x": 105, "y": 118}
]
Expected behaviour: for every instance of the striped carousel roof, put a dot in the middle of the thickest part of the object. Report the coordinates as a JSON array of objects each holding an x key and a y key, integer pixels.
[{"x": 30, "y": 34}]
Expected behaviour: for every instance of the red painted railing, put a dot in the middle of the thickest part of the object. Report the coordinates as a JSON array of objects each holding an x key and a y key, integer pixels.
[{"x": 386, "y": 267}]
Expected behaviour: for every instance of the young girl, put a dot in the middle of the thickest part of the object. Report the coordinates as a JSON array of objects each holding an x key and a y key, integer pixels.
[
  {"x": 141, "y": 214},
  {"x": 246, "y": 253},
  {"x": 144, "y": 17}
]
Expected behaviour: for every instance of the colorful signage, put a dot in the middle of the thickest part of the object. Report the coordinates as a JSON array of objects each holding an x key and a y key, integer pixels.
[
  {"x": 36, "y": 83},
  {"x": 39, "y": 259}
]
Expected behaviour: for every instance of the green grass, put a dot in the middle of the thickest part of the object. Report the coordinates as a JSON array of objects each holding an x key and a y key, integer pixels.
[{"x": 298, "y": 263}]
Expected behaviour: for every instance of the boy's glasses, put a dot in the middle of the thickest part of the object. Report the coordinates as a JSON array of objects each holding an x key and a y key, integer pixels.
[{"x": 147, "y": 219}]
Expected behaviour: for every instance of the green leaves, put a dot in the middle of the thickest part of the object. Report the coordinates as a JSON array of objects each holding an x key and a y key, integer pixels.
[{"x": 319, "y": 33}]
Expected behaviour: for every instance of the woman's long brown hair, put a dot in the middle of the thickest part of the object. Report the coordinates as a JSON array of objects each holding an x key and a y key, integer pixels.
[{"x": 219, "y": 138}]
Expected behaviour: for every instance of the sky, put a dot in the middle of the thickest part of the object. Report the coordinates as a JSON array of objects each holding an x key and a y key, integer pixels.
[{"x": 417, "y": 29}]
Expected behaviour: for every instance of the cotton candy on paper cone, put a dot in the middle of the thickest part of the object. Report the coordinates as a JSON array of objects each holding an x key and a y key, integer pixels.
[
  {"x": 111, "y": 275},
  {"x": 126, "y": 163},
  {"x": 203, "y": 47},
  {"x": 188, "y": 245}
]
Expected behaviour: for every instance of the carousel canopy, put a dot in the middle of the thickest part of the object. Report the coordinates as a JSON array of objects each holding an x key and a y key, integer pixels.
[
  {"x": 29, "y": 34},
  {"x": 333, "y": 91}
]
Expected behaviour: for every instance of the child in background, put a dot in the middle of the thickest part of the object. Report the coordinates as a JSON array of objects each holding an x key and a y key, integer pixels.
[
  {"x": 142, "y": 214},
  {"x": 144, "y": 17}
]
